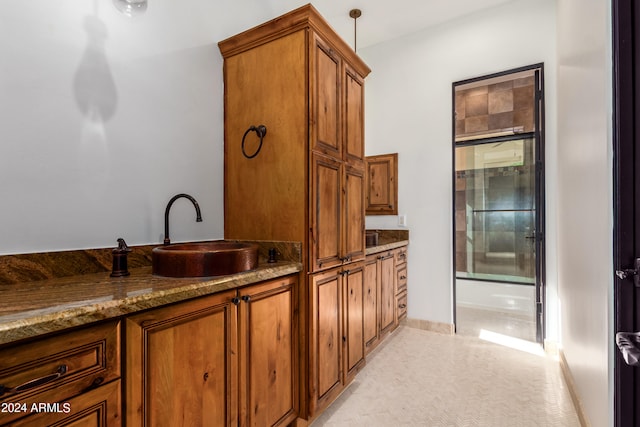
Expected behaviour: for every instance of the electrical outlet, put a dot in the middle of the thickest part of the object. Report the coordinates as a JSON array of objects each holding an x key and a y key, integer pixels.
[{"x": 402, "y": 220}]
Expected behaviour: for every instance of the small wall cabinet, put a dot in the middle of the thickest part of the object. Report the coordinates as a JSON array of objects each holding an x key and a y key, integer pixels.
[{"x": 382, "y": 184}]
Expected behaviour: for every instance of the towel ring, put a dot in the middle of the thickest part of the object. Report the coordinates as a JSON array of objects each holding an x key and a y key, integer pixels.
[{"x": 261, "y": 131}]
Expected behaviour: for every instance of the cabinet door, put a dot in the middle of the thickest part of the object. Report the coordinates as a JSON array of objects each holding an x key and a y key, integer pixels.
[
  {"x": 382, "y": 184},
  {"x": 181, "y": 364},
  {"x": 353, "y": 319},
  {"x": 387, "y": 292},
  {"x": 325, "y": 99},
  {"x": 268, "y": 353},
  {"x": 370, "y": 308},
  {"x": 353, "y": 118},
  {"x": 326, "y": 339},
  {"x": 326, "y": 208},
  {"x": 353, "y": 216}
]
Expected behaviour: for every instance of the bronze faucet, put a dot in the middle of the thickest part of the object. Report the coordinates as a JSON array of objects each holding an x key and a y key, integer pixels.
[{"x": 166, "y": 214}]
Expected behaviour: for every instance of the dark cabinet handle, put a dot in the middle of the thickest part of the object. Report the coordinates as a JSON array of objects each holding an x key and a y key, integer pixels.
[
  {"x": 235, "y": 300},
  {"x": 36, "y": 382},
  {"x": 246, "y": 298},
  {"x": 403, "y": 277}
]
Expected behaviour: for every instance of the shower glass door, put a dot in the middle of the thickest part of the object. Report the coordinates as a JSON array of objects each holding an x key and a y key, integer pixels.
[{"x": 495, "y": 210}]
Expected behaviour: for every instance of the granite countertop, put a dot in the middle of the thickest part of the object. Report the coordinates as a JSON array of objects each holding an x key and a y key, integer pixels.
[
  {"x": 381, "y": 247},
  {"x": 30, "y": 309},
  {"x": 389, "y": 239},
  {"x": 37, "y": 296}
]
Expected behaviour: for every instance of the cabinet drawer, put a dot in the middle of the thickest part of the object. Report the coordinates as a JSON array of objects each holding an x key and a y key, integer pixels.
[
  {"x": 401, "y": 280},
  {"x": 402, "y": 305},
  {"x": 57, "y": 368},
  {"x": 401, "y": 255},
  {"x": 385, "y": 255},
  {"x": 97, "y": 407}
]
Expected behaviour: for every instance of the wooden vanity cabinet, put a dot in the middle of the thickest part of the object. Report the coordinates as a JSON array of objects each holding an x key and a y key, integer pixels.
[
  {"x": 337, "y": 338},
  {"x": 385, "y": 294},
  {"x": 223, "y": 359},
  {"x": 66, "y": 379}
]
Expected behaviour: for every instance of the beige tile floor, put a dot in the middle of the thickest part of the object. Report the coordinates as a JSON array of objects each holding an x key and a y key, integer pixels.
[
  {"x": 420, "y": 378},
  {"x": 472, "y": 320}
]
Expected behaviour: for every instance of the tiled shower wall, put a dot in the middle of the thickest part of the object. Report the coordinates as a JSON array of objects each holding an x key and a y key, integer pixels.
[
  {"x": 495, "y": 204},
  {"x": 495, "y": 108}
]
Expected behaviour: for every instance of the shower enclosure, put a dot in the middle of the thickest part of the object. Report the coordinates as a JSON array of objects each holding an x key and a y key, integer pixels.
[
  {"x": 498, "y": 186},
  {"x": 495, "y": 211}
]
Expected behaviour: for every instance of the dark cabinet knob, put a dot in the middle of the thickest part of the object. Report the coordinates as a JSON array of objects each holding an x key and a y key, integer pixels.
[{"x": 246, "y": 298}]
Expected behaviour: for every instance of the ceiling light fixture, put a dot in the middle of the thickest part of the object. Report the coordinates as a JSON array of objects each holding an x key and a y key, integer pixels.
[
  {"x": 131, "y": 7},
  {"x": 355, "y": 14}
]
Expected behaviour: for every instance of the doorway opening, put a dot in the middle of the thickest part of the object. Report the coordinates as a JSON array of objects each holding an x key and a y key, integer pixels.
[{"x": 498, "y": 189}]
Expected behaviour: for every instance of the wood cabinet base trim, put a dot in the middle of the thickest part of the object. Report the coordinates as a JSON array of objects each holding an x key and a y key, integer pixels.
[{"x": 427, "y": 325}]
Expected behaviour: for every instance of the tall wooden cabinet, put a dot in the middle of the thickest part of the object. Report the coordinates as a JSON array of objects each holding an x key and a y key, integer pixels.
[{"x": 306, "y": 181}]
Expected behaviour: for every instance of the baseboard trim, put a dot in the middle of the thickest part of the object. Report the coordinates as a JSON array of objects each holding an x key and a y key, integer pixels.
[
  {"x": 552, "y": 349},
  {"x": 427, "y": 325},
  {"x": 571, "y": 386}
]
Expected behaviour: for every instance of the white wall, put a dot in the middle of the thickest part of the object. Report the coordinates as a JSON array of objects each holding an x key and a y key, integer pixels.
[
  {"x": 585, "y": 266},
  {"x": 103, "y": 118},
  {"x": 408, "y": 111}
]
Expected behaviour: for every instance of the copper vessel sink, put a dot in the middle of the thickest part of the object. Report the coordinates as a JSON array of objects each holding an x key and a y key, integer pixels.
[{"x": 216, "y": 258}]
